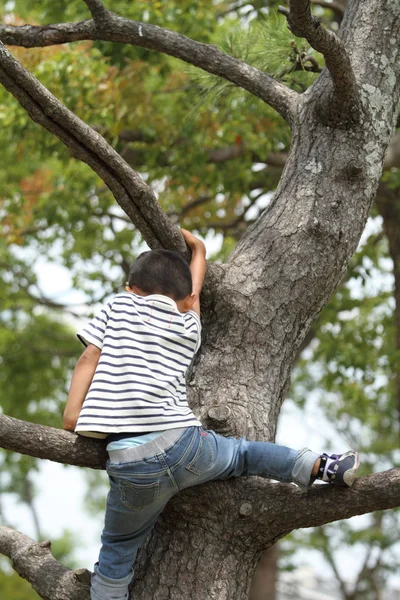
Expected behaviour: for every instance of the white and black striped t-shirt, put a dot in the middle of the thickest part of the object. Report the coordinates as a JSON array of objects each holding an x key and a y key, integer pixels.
[{"x": 139, "y": 384}]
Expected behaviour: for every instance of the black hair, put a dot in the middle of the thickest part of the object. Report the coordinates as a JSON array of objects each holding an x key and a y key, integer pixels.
[{"x": 161, "y": 272}]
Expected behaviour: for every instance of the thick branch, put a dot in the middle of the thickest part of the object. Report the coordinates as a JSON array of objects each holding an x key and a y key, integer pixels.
[
  {"x": 267, "y": 509},
  {"x": 324, "y": 503},
  {"x": 51, "y": 443},
  {"x": 303, "y": 24},
  {"x": 321, "y": 505},
  {"x": 204, "y": 56},
  {"x": 35, "y": 563},
  {"x": 133, "y": 195},
  {"x": 261, "y": 512}
]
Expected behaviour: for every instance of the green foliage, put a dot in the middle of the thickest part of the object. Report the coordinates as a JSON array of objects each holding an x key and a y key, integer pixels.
[
  {"x": 351, "y": 365},
  {"x": 392, "y": 179},
  {"x": 14, "y": 587},
  {"x": 153, "y": 95},
  {"x": 373, "y": 541},
  {"x": 353, "y": 357},
  {"x": 62, "y": 548},
  {"x": 267, "y": 45},
  {"x": 97, "y": 488}
]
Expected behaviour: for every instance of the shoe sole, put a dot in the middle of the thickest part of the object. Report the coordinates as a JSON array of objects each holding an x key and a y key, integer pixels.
[{"x": 350, "y": 474}]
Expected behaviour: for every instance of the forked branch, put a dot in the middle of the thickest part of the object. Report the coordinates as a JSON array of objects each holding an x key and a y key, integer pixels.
[{"x": 303, "y": 24}]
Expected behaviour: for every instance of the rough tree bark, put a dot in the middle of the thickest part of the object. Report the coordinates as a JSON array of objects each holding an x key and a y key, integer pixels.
[{"x": 258, "y": 307}]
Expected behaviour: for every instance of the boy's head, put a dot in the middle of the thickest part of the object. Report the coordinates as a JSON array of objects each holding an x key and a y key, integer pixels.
[{"x": 161, "y": 272}]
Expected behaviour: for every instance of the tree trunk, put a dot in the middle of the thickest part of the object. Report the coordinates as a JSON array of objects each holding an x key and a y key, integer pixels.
[
  {"x": 196, "y": 555},
  {"x": 276, "y": 281}
]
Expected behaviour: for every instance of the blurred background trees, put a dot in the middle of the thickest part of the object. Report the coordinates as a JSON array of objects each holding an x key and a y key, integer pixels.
[{"x": 214, "y": 154}]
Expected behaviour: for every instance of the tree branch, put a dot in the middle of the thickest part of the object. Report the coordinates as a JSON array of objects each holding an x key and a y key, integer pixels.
[
  {"x": 35, "y": 563},
  {"x": 303, "y": 24},
  {"x": 131, "y": 192},
  {"x": 97, "y": 10},
  {"x": 267, "y": 508},
  {"x": 51, "y": 443},
  {"x": 322, "y": 504},
  {"x": 206, "y": 57},
  {"x": 262, "y": 512},
  {"x": 178, "y": 214}
]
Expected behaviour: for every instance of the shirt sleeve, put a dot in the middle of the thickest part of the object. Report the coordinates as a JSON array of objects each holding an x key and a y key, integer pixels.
[
  {"x": 93, "y": 332},
  {"x": 193, "y": 327}
]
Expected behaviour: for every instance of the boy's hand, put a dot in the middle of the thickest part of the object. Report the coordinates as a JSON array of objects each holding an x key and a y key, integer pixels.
[{"x": 193, "y": 242}]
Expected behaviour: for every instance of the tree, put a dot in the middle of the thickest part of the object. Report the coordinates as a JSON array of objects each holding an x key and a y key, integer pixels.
[{"x": 258, "y": 306}]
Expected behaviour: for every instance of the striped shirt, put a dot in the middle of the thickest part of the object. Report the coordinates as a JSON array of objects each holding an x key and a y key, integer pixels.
[{"x": 139, "y": 384}]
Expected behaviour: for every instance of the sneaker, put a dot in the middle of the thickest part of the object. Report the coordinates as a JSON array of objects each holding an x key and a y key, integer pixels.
[{"x": 340, "y": 469}]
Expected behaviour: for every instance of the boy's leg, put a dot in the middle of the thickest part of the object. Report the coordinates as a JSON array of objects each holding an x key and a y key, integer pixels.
[
  {"x": 124, "y": 532},
  {"x": 230, "y": 457},
  {"x": 218, "y": 457},
  {"x": 106, "y": 588},
  {"x": 140, "y": 487},
  {"x": 265, "y": 459}
]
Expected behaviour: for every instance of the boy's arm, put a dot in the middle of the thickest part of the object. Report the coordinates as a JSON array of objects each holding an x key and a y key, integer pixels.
[
  {"x": 197, "y": 266},
  {"x": 80, "y": 383}
]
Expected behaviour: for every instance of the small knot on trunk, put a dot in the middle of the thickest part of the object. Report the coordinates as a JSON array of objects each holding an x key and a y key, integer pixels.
[
  {"x": 83, "y": 576},
  {"x": 245, "y": 509},
  {"x": 354, "y": 170}
]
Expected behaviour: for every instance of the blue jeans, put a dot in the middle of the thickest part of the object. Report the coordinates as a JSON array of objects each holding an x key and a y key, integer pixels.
[{"x": 144, "y": 478}]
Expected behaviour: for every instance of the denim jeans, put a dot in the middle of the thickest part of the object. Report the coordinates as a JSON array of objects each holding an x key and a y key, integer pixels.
[{"x": 144, "y": 478}]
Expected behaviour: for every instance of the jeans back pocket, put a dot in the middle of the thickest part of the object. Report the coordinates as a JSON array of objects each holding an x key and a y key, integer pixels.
[
  {"x": 203, "y": 458},
  {"x": 138, "y": 496}
]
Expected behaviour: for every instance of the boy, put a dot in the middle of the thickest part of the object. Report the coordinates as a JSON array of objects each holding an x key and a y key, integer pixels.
[{"x": 129, "y": 386}]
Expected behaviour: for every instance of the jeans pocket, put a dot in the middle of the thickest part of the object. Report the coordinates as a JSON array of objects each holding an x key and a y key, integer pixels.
[
  {"x": 138, "y": 496},
  {"x": 203, "y": 459}
]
